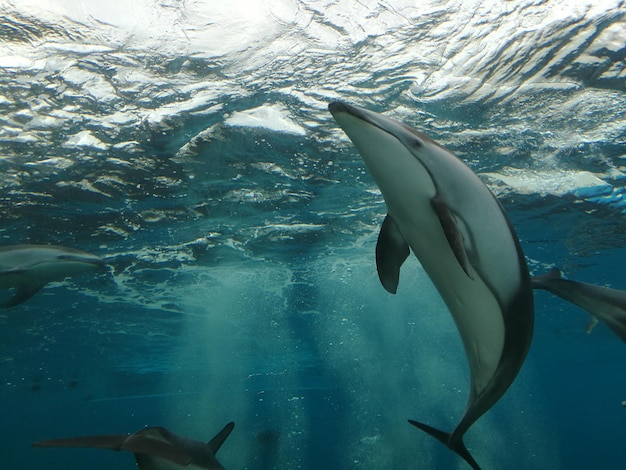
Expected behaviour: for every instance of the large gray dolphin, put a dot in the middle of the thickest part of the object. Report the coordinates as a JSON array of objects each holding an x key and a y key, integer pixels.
[
  {"x": 155, "y": 448},
  {"x": 461, "y": 235},
  {"x": 28, "y": 268},
  {"x": 602, "y": 303}
]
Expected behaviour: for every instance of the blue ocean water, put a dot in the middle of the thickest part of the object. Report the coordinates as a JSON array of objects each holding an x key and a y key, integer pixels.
[{"x": 189, "y": 145}]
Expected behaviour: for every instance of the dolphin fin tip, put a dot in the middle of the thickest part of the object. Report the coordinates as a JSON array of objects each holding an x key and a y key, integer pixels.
[
  {"x": 215, "y": 443},
  {"x": 593, "y": 321}
]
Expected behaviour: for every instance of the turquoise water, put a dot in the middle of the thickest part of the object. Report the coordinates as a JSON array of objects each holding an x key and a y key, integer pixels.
[{"x": 190, "y": 147}]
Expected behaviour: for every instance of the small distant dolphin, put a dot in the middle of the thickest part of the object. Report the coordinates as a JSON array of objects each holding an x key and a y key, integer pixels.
[
  {"x": 602, "y": 303},
  {"x": 461, "y": 235},
  {"x": 155, "y": 448},
  {"x": 28, "y": 268}
]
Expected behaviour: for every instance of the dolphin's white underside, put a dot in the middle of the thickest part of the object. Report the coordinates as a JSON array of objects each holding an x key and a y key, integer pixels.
[{"x": 408, "y": 190}]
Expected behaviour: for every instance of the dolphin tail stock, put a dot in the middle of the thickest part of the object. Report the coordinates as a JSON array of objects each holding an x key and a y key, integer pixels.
[{"x": 444, "y": 437}]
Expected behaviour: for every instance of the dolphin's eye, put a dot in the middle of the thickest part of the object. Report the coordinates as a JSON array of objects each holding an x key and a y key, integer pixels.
[{"x": 416, "y": 143}]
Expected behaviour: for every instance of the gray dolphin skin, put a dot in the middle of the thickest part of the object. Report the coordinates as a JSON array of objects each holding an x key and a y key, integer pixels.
[
  {"x": 28, "y": 268},
  {"x": 155, "y": 448},
  {"x": 602, "y": 303},
  {"x": 461, "y": 235}
]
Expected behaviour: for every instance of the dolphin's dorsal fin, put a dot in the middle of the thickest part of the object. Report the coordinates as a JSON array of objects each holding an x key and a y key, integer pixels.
[
  {"x": 22, "y": 294},
  {"x": 453, "y": 234},
  {"x": 215, "y": 443},
  {"x": 391, "y": 251}
]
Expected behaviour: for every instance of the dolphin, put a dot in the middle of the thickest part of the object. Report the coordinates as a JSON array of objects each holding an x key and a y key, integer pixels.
[
  {"x": 155, "y": 448},
  {"x": 602, "y": 303},
  {"x": 461, "y": 235},
  {"x": 28, "y": 268}
]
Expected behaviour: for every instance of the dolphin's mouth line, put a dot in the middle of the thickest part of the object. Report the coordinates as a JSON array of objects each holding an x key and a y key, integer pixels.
[{"x": 339, "y": 107}]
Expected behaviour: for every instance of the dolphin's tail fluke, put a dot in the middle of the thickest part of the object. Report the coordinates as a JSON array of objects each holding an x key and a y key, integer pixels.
[{"x": 444, "y": 437}]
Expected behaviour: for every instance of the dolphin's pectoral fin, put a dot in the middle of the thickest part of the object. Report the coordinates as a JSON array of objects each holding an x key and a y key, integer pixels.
[
  {"x": 391, "y": 251},
  {"x": 444, "y": 437},
  {"x": 215, "y": 443},
  {"x": 453, "y": 234},
  {"x": 618, "y": 325},
  {"x": 156, "y": 448},
  {"x": 22, "y": 294},
  {"x": 593, "y": 321}
]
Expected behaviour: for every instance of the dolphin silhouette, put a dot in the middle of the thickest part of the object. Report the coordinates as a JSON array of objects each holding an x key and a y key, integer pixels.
[
  {"x": 155, "y": 448},
  {"x": 28, "y": 268},
  {"x": 462, "y": 237},
  {"x": 602, "y": 303}
]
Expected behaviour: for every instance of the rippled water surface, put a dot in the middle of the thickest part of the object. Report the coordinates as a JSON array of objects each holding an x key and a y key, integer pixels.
[{"x": 189, "y": 144}]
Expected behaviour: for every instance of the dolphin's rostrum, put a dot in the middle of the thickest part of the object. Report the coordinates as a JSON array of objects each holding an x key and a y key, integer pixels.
[{"x": 460, "y": 233}]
